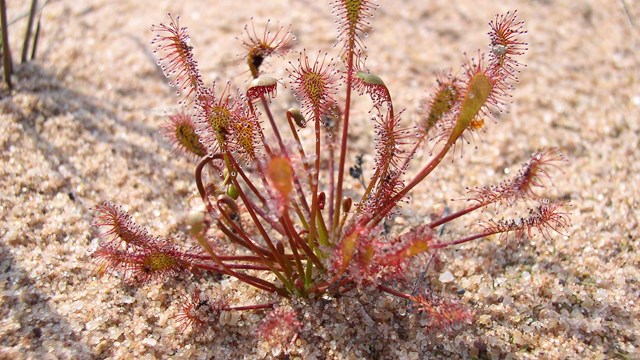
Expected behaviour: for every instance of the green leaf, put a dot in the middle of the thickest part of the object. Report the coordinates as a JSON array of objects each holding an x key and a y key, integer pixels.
[{"x": 478, "y": 92}]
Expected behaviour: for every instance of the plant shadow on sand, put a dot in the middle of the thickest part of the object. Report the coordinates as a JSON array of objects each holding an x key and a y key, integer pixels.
[{"x": 51, "y": 143}]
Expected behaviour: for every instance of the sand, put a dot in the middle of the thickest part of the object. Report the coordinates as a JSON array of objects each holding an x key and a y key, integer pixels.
[{"x": 82, "y": 126}]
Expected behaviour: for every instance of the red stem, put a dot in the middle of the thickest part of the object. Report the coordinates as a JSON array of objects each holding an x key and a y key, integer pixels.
[
  {"x": 303, "y": 245},
  {"x": 303, "y": 157},
  {"x": 250, "y": 307},
  {"x": 455, "y": 215},
  {"x": 198, "y": 175},
  {"x": 345, "y": 133},
  {"x": 259, "y": 283},
  {"x": 332, "y": 184},
  {"x": 256, "y": 250},
  {"x": 313, "y": 226},
  {"x": 415, "y": 181},
  {"x": 283, "y": 264},
  {"x": 289, "y": 234},
  {"x": 265, "y": 104},
  {"x": 266, "y": 253},
  {"x": 233, "y": 266},
  {"x": 283, "y": 149},
  {"x": 246, "y": 180},
  {"x": 463, "y": 240},
  {"x": 395, "y": 292},
  {"x": 256, "y": 259}
]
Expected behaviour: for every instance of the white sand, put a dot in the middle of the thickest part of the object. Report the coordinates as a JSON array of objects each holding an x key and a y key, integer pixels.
[{"x": 82, "y": 126}]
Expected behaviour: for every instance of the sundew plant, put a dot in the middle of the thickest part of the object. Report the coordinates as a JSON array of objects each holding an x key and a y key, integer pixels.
[{"x": 276, "y": 213}]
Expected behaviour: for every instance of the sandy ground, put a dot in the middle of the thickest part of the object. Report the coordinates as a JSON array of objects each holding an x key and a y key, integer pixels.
[{"x": 82, "y": 126}]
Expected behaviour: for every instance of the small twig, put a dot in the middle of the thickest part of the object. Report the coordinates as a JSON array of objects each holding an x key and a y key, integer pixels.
[
  {"x": 26, "y": 13},
  {"x": 27, "y": 35},
  {"x": 6, "y": 51},
  {"x": 36, "y": 37}
]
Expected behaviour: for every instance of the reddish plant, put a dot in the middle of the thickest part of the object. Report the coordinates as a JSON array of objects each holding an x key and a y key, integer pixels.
[
  {"x": 177, "y": 58},
  {"x": 280, "y": 327},
  {"x": 274, "y": 206}
]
